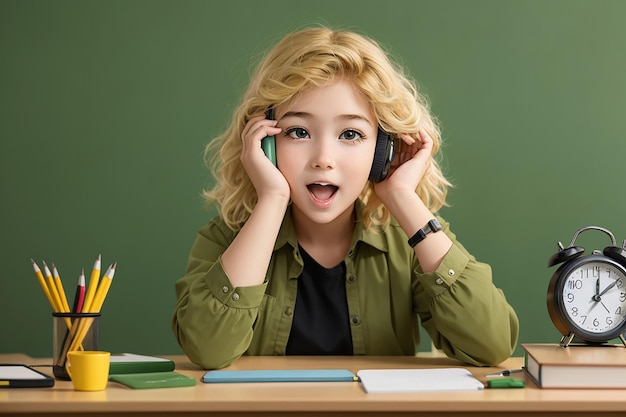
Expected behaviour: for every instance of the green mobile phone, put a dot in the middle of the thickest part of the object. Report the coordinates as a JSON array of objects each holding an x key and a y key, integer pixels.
[{"x": 268, "y": 143}]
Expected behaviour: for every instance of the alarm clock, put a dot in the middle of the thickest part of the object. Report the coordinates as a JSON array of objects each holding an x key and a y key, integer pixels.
[{"x": 587, "y": 293}]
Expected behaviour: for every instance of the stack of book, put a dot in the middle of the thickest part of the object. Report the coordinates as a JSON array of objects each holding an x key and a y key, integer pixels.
[
  {"x": 552, "y": 366},
  {"x": 130, "y": 363},
  {"x": 142, "y": 372}
]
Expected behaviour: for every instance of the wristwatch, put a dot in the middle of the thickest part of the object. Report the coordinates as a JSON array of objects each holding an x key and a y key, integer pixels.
[{"x": 432, "y": 226}]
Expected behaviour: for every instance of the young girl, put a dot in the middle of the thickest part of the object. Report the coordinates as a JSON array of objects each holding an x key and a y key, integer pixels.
[{"x": 317, "y": 255}]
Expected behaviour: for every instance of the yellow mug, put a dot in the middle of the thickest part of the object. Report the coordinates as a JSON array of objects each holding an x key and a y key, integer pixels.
[{"x": 88, "y": 369}]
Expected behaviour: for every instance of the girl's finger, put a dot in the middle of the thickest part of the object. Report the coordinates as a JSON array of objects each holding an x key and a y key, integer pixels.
[{"x": 406, "y": 138}]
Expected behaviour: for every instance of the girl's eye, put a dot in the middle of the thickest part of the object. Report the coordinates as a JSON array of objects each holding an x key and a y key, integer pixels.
[
  {"x": 297, "y": 133},
  {"x": 351, "y": 135}
]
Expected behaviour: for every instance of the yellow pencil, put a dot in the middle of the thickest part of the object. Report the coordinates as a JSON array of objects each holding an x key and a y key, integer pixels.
[
  {"x": 53, "y": 289},
  {"x": 82, "y": 325},
  {"x": 59, "y": 286},
  {"x": 95, "y": 307},
  {"x": 43, "y": 284},
  {"x": 93, "y": 286},
  {"x": 56, "y": 306},
  {"x": 103, "y": 289}
]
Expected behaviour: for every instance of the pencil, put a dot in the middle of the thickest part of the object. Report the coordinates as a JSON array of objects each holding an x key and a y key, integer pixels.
[
  {"x": 55, "y": 301},
  {"x": 53, "y": 289},
  {"x": 59, "y": 287},
  {"x": 96, "y": 306},
  {"x": 103, "y": 289},
  {"x": 79, "y": 298},
  {"x": 78, "y": 303},
  {"x": 93, "y": 286},
  {"x": 43, "y": 284}
]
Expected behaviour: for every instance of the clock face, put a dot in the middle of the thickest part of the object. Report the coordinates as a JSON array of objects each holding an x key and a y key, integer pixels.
[{"x": 593, "y": 297}]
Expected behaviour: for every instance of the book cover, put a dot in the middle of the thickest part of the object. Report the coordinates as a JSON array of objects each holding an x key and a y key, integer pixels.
[
  {"x": 130, "y": 363},
  {"x": 152, "y": 380},
  {"x": 551, "y": 366}
]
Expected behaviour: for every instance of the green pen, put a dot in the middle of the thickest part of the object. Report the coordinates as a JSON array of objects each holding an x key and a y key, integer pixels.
[{"x": 506, "y": 383}]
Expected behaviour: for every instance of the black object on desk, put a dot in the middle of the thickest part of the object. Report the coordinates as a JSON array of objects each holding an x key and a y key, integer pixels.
[{"x": 14, "y": 375}]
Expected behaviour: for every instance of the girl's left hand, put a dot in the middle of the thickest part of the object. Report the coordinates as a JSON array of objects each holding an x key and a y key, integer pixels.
[{"x": 409, "y": 164}]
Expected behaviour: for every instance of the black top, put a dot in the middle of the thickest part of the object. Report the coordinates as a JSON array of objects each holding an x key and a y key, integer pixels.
[{"x": 321, "y": 324}]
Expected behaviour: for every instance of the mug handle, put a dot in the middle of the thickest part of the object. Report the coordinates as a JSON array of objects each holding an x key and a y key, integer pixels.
[{"x": 67, "y": 366}]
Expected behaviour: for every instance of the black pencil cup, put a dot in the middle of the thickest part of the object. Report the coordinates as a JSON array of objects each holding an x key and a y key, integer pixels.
[{"x": 72, "y": 331}]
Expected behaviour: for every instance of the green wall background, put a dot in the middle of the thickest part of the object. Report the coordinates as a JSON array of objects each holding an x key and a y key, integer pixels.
[{"x": 105, "y": 107}]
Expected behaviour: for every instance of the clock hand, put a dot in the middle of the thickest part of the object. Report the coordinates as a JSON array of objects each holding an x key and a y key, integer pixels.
[
  {"x": 607, "y": 310},
  {"x": 596, "y": 296},
  {"x": 608, "y": 288}
]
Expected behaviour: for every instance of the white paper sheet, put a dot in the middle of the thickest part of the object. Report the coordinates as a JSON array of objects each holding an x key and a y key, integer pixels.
[{"x": 418, "y": 380}]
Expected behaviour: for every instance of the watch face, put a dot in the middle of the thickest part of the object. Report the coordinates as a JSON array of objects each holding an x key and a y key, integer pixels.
[{"x": 593, "y": 297}]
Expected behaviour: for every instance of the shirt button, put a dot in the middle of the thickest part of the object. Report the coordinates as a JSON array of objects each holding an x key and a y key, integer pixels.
[
  {"x": 351, "y": 278},
  {"x": 438, "y": 281},
  {"x": 355, "y": 320},
  {"x": 235, "y": 297},
  {"x": 451, "y": 272},
  {"x": 288, "y": 311},
  {"x": 225, "y": 289}
]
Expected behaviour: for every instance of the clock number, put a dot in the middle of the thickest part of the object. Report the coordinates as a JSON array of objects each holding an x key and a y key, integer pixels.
[
  {"x": 622, "y": 296},
  {"x": 574, "y": 311},
  {"x": 596, "y": 323},
  {"x": 570, "y": 297},
  {"x": 575, "y": 284},
  {"x": 609, "y": 321},
  {"x": 618, "y": 311},
  {"x": 620, "y": 282},
  {"x": 595, "y": 272}
]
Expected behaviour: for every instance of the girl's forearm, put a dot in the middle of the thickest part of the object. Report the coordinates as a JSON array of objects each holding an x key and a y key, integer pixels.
[
  {"x": 412, "y": 215},
  {"x": 247, "y": 258}
]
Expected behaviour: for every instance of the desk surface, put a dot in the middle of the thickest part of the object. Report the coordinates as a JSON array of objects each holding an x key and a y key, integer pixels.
[{"x": 304, "y": 398}]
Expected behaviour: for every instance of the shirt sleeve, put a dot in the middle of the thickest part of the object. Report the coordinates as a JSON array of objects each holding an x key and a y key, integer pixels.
[
  {"x": 464, "y": 313},
  {"x": 213, "y": 321}
]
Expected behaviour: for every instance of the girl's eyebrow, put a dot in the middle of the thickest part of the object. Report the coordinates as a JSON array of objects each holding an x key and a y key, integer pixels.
[
  {"x": 305, "y": 115},
  {"x": 300, "y": 114}
]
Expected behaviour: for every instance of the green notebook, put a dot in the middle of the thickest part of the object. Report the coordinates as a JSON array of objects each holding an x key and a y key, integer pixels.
[{"x": 154, "y": 380}]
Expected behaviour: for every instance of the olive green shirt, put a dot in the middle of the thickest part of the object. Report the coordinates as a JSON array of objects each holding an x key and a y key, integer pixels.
[{"x": 458, "y": 305}]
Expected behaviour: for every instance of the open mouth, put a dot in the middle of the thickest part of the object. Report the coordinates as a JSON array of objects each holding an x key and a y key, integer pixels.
[{"x": 322, "y": 191}]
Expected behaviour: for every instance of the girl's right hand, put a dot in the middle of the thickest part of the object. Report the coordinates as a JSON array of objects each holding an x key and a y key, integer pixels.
[{"x": 266, "y": 178}]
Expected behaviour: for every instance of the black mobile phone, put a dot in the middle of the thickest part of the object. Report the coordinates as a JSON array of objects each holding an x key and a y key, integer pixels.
[{"x": 268, "y": 143}]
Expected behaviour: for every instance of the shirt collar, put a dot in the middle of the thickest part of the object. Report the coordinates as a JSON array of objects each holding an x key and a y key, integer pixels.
[{"x": 372, "y": 236}]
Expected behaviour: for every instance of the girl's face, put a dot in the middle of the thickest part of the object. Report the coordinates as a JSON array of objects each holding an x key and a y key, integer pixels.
[{"x": 325, "y": 149}]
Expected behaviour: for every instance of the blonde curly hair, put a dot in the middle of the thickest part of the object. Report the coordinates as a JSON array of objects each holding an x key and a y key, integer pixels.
[{"x": 313, "y": 57}]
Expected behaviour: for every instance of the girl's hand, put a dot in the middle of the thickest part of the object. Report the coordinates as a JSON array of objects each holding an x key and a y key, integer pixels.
[
  {"x": 265, "y": 177},
  {"x": 411, "y": 159}
]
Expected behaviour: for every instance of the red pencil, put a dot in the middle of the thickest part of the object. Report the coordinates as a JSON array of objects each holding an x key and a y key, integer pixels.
[{"x": 79, "y": 298}]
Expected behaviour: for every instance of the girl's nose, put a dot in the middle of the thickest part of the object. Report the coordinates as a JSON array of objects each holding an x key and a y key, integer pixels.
[{"x": 324, "y": 156}]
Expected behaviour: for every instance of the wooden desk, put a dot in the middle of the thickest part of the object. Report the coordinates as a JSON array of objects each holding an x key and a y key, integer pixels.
[{"x": 308, "y": 399}]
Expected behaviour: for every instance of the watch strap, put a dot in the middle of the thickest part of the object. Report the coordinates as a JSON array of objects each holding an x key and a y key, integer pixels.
[{"x": 432, "y": 226}]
